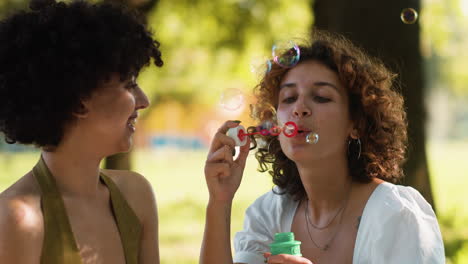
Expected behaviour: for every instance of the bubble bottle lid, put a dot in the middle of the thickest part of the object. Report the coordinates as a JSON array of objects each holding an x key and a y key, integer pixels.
[{"x": 285, "y": 244}]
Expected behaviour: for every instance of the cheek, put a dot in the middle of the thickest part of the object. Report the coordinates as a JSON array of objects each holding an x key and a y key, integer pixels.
[
  {"x": 120, "y": 107},
  {"x": 333, "y": 126},
  {"x": 282, "y": 116}
]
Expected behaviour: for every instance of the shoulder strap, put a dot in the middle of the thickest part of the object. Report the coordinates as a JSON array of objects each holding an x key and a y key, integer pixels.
[
  {"x": 59, "y": 244},
  {"x": 127, "y": 221}
]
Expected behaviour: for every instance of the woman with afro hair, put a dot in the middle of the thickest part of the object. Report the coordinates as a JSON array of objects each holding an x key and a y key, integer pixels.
[
  {"x": 334, "y": 182},
  {"x": 68, "y": 86}
]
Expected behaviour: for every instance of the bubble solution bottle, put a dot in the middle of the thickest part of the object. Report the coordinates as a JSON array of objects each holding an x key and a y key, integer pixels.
[{"x": 285, "y": 244}]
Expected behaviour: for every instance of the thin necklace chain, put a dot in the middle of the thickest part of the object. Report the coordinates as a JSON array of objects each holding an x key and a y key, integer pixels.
[
  {"x": 327, "y": 245},
  {"x": 329, "y": 222}
]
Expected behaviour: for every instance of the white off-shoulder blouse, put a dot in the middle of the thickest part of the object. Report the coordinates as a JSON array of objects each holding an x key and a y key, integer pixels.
[{"x": 397, "y": 226}]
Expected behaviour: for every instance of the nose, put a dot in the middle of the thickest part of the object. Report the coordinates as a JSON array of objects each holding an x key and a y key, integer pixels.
[
  {"x": 141, "y": 100},
  {"x": 301, "y": 109}
]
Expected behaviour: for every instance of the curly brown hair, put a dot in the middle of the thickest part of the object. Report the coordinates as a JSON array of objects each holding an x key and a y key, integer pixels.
[
  {"x": 56, "y": 55},
  {"x": 375, "y": 107}
]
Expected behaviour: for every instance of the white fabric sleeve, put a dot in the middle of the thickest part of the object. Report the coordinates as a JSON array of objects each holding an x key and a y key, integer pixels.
[
  {"x": 409, "y": 235},
  {"x": 260, "y": 224}
]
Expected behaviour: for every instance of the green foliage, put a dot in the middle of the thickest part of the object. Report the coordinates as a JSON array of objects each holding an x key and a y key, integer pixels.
[
  {"x": 9, "y": 6},
  {"x": 444, "y": 42},
  {"x": 208, "y": 45}
]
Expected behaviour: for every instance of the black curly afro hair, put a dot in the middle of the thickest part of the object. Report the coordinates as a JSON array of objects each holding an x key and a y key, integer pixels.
[{"x": 54, "y": 56}]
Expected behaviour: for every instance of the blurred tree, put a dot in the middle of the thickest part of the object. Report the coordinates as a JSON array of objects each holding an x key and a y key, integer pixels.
[{"x": 377, "y": 27}]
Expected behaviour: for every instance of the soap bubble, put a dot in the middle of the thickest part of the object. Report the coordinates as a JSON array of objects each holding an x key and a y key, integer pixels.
[
  {"x": 286, "y": 53},
  {"x": 409, "y": 16},
  {"x": 232, "y": 99},
  {"x": 312, "y": 138}
]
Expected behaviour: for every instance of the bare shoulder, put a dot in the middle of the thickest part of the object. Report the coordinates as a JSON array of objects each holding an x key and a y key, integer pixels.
[
  {"x": 21, "y": 222},
  {"x": 361, "y": 194},
  {"x": 130, "y": 183},
  {"x": 136, "y": 189},
  {"x": 366, "y": 189}
]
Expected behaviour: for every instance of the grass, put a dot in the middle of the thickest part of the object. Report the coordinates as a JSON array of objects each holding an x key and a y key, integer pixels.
[{"x": 179, "y": 184}]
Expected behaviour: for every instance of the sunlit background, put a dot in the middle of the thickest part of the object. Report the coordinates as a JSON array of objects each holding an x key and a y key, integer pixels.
[{"x": 213, "y": 50}]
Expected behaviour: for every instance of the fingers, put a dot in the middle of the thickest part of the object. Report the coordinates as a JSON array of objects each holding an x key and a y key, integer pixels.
[
  {"x": 220, "y": 138},
  {"x": 244, "y": 152},
  {"x": 228, "y": 124},
  {"x": 287, "y": 259},
  {"x": 213, "y": 170},
  {"x": 223, "y": 154}
]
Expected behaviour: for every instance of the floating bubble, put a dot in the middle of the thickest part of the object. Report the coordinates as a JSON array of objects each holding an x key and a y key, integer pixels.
[
  {"x": 409, "y": 16},
  {"x": 286, "y": 53},
  {"x": 312, "y": 138},
  {"x": 232, "y": 99}
]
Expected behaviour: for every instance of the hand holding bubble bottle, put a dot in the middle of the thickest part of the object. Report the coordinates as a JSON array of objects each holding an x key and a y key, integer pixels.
[
  {"x": 284, "y": 243},
  {"x": 285, "y": 248}
]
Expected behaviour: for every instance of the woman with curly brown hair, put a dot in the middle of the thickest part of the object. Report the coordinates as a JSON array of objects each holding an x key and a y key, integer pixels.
[
  {"x": 338, "y": 195},
  {"x": 68, "y": 86}
]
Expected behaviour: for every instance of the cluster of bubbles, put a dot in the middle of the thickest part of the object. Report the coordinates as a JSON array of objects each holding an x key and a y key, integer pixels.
[{"x": 284, "y": 53}]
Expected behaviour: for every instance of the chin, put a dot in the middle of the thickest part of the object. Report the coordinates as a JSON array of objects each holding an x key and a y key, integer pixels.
[
  {"x": 124, "y": 146},
  {"x": 127, "y": 147},
  {"x": 300, "y": 157},
  {"x": 300, "y": 153}
]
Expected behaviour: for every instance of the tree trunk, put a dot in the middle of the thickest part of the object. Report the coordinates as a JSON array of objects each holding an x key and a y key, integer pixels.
[
  {"x": 376, "y": 26},
  {"x": 122, "y": 161}
]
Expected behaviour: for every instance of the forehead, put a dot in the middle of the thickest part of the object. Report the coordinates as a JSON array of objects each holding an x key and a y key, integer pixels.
[{"x": 309, "y": 72}]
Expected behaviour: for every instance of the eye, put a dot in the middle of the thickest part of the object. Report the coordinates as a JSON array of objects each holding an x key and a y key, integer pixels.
[
  {"x": 289, "y": 100},
  {"x": 320, "y": 99}
]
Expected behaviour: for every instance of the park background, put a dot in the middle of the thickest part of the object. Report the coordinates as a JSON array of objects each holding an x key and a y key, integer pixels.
[{"x": 213, "y": 46}]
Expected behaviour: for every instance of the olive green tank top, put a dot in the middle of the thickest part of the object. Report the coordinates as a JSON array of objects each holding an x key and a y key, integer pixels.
[{"x": 59, "y": 244}]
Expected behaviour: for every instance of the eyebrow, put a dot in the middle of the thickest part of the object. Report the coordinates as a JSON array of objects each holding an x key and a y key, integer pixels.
[{"x": 321, "y": 83}]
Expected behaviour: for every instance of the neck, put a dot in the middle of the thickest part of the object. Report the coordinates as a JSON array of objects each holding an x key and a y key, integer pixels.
[
  {"x": 327, "y": 185},
  {"x": 75, "y": 169}
]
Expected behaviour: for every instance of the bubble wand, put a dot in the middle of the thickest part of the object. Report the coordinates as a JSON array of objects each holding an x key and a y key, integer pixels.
[{"x": 290, "y": 129}]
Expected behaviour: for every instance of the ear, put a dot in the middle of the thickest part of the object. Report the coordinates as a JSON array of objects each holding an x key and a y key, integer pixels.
[
  {"x": 353, "y": 131},
  {"x": 354, "y": 134},
  {"x": 83, "y": 111}
]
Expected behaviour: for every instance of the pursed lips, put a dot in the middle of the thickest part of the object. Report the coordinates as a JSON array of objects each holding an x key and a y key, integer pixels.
[{"x": 302, "y": 129}]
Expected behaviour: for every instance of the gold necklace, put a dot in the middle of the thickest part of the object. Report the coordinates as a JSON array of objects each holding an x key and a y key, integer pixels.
[
  {"x": 329, "y": 222},
  {"x": 327, "y": 245}
]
